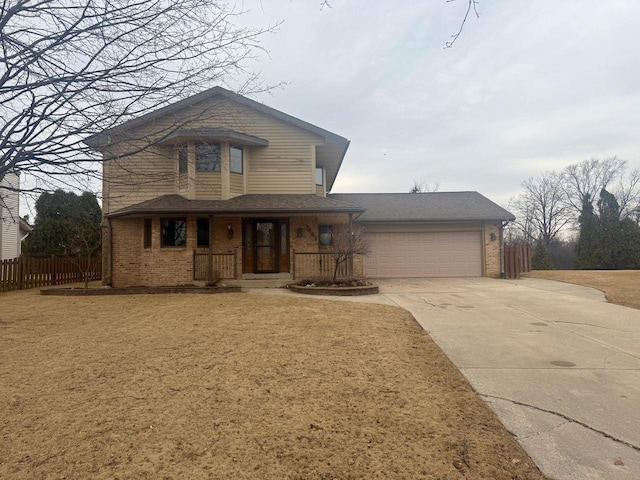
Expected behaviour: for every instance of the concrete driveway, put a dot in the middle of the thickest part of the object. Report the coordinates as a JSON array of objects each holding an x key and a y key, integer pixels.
[{"x": 558, "y": 364}]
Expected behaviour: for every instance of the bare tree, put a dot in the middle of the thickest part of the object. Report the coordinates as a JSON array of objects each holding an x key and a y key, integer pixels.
[
  {"x": 85, "y": 242},
  {"x": 542, "y": 210},
  {"x": 589, "y": 177},
  {"x": 71, "y": 68},
  {"x": 424, "y": 187},
  {"x": 627, "y": 192},
  {"x": 345, "y": 245}
]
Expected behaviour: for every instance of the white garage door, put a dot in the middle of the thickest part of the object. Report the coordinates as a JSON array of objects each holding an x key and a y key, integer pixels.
[{"x": 442, "y": 254}]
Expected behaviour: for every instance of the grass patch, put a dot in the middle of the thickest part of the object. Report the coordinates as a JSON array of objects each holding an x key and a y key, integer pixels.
[
  {"x": 619, "y": 286},
  {"x": 236, "y": 386}
]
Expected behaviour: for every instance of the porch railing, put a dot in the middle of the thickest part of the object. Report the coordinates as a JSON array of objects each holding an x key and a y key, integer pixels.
[
  {"x": 224, "y": 265},
  {"x": 315, "y": 264}
]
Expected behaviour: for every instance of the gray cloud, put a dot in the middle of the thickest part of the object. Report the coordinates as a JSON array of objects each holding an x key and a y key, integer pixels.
[{"x": 530, "y": 86}]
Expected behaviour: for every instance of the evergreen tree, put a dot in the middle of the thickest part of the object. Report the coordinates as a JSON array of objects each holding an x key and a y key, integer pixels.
[
  {"x": 541, "y": 259},
  {"x": 608, "y": 232},
  {"x": 606, "y": 241},
  {"x": 66, "y": 225},
  {"x": 586, "y": 248}
]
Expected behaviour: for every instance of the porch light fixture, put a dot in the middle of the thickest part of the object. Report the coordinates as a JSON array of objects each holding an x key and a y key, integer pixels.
[
  {"x": 493, "y": 237},
  {"x": 299, "y": 233},
  {"x": 229, "y": 232}
]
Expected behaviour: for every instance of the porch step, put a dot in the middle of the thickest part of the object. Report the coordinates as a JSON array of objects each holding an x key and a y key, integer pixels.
[
  {"x": 261, "y": 280},
  {"x": 266, "y": 276},
  {"x": 257, "y": 283}
]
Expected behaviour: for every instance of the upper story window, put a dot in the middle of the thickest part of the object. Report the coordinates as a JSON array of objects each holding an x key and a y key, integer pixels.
[
  {"x": 235, "y": 158},
  {"x": 208, "y": 157},
  {"x": 183, "y": 159},
  {"x": 319, "y": 176}
]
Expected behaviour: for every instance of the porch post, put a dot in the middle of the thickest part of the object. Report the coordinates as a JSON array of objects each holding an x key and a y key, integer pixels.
[{"x": 210, "y": 253}]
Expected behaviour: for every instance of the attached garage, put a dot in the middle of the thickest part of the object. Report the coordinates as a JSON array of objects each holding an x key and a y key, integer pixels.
[
  {"x": 424, "y": 254},
  {"x": 437, "y": 234}
]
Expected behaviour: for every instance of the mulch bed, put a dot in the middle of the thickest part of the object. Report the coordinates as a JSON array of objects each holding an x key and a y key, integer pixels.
[{"x": 87, "y": 292}]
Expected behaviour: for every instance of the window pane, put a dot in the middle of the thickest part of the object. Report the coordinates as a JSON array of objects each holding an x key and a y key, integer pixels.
[
  {"x": 319, "y": 176},
  {"x": 236, "y": 159},
  {"x": 174, "y": 232},
  {"x": 203, "y": 232},
  {"x": 208, "y": 157},
  {"x": 182, "y": 159},
  {"x": 325, "y": 235},
  {"x": 147, "y": 233}
]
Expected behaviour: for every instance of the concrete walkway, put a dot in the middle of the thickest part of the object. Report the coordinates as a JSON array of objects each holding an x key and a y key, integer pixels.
[{"x": 558, "y": 364}]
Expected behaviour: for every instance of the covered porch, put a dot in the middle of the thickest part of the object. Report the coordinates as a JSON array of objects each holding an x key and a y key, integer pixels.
[{"x": 175, "y": 241}]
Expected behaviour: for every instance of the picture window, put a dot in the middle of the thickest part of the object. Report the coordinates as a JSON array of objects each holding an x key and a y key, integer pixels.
[
  {"x": 208, "y": 157},
  {"x": 174, "y": 232}
]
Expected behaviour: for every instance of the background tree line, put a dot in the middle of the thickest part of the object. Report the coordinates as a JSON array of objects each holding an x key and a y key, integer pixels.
[{"x": 585, "y": 216}]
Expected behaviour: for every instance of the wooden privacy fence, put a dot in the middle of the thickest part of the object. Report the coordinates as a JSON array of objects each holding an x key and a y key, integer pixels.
[
  {"x": 27, "y": 272},
  {"x": 313, "y": 264},
  {"x": 517, "y": 260},
  {"x": 224, "y": 265}
]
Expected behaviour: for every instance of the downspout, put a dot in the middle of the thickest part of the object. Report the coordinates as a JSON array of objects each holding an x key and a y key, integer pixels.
[
  {"x": 351, "y": 244},
  {"x": 109, "y": 279},
  {"x": 501, "y": 238},
  {"x": 210, "y": 254}
]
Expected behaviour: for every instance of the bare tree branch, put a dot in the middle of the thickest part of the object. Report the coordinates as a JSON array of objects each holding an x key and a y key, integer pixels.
[
  {"x": 72, "y": 68},
  {"x": 471, "y": 5}
]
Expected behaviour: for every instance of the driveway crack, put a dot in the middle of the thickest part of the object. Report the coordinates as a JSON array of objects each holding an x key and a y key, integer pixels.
[
  {"x": 567, "y": 418},
  {"x": 535, "y": 434}
]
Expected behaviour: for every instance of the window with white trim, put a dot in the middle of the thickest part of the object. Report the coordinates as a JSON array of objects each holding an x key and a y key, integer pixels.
[{"x": 235, "y": 159}]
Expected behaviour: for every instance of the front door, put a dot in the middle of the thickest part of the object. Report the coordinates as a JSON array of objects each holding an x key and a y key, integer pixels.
[
  {"x": 262, "y": 239},
  {"x": 267, "y": 246}
]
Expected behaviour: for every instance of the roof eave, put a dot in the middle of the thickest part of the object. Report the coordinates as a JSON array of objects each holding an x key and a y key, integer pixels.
[
  {"x": 148, "y": 212},
  {"x": 438, "y": 220}
]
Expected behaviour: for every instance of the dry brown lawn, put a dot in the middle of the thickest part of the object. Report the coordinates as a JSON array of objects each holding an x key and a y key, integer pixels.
[
  {"x": 235, "y": 386},
  {"x": 619, "y": 286}
]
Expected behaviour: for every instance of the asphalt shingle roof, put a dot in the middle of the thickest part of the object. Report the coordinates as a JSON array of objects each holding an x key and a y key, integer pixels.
[
  {"x": 424, "y": 207},
  {"x": 176, "y": 204}
]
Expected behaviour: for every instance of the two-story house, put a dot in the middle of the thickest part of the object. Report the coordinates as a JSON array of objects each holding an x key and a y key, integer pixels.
[
  {"x": 221, "y": 185},
  {"x": 13, "y": 229}
]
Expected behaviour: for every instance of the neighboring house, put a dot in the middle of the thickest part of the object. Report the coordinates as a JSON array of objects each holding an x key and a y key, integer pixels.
[
  {"x": 221, "y": 184},
  {"x": 13, "y": 229}
]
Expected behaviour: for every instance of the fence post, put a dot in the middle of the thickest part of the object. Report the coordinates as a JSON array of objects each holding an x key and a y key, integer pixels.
[
  {"x": 293, "y": 262},
  {"x": 235, "y": 264}
]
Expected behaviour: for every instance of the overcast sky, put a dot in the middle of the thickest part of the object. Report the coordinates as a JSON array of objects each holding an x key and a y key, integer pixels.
[{"x": 529, "y": 86}]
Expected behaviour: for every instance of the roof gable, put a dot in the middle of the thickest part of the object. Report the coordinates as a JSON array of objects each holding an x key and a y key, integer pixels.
[{"x": 97, "y": 139}]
